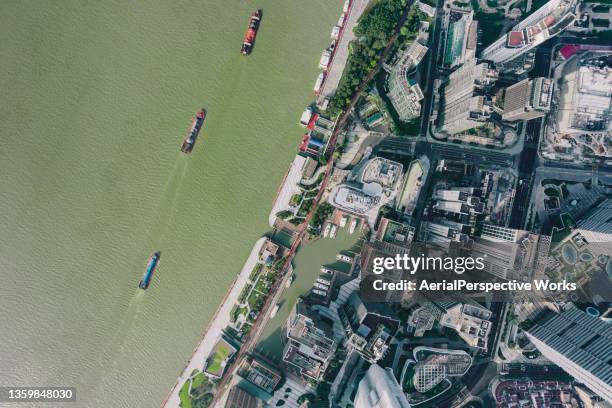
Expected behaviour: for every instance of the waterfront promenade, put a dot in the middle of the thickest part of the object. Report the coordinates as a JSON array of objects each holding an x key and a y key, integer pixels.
[
  {"x": 285, "y": 271},
  {"x": 341, "y": 54},
  {"x": 220, "y": 321}
]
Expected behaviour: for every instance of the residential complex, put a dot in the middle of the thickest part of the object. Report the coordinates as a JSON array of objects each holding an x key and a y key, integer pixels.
[
  {"x": 405, "y": 93},
  {"x": 464, "y": 102},
  {"x": 509, "y": 51}
]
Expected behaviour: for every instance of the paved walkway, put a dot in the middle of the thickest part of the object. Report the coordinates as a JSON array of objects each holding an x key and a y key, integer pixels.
[
  {"x": 341, "y": 53},
  {"x": 288, "y": 188},
  {"x": 215, "y": 328}
]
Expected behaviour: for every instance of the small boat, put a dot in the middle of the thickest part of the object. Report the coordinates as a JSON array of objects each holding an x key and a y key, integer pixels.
[
  {"x": 326, "y": 230},
  {"x": 346, "y": 6},
  {"x": 319, "y": 82},
  {"x": 319, "y": 292},
  {"x": 150, "y": 269},
  {"x": 353, "y": 226},
  {"x": 343, "y": 222},
  {"x": 320, "y": 286},
  {"x": 193, "y": 132},
  {"x": 344, "y": 258},
  {"x": 335, "y": 32},
  {"x": 324, "y": 60},
  {"x": 327, "y": 271},
  {"x": 334, "y": 230},
  {"x": 274, "y": 310},
  {"x": 323, "y": 281},
  {"x": 289, "y": 281},
  {"x": 249, "y": 37}
]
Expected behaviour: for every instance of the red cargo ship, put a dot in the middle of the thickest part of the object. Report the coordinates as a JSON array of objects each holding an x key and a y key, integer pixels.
[
  {"x": 194, "y": 130},
  {"x": 251, "y": 33}
]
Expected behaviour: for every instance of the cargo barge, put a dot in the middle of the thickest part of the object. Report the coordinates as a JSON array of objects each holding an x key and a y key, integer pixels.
[
  {"x": 193, "y": 132},
  {"x": 151, "y": 266},
  {"x": 251, "y": 33}
]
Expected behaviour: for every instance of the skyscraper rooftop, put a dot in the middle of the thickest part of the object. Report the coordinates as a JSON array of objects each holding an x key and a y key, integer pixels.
[{"x": 580, "y": 344}]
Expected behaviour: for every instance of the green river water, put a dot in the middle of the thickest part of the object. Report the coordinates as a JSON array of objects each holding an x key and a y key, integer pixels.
[{"x": 95, "y": 97}]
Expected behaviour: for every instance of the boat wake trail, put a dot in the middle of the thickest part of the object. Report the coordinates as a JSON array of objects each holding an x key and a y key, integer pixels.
[
  {"x": 115, "y": 346},
  {"x": 167, "y": 203},
  {"x": 164, "y": 213}
]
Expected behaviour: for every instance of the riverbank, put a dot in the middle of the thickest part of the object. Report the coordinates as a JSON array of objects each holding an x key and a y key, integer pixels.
[{"x": 215, "y": 327}]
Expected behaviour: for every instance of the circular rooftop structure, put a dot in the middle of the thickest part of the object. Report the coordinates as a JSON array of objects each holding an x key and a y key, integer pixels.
[{"x": 592, "y": 311}]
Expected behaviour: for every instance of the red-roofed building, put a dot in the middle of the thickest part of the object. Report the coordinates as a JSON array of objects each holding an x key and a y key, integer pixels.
[
  {"x": 515, "y": 38},
  {"x": 549, "y": 20},
  {"x": 568, "y": 50}
]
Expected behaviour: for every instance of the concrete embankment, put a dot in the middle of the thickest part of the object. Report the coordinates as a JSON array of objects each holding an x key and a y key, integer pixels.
[
  {"x": 288, "y": 187},
  {"x": 215, "y": 328}
]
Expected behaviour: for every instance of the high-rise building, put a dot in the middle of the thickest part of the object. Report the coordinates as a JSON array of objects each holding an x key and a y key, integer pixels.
[
  {"x": 464, "y": 103},
  {"x": 580, "y": 344},
  {"x": 596, "y": 228},
  {"x": 442, "y": 232},
  {"x": 469, "y": 320},
  {"x": 405, "y": 93},
  {"x": 310, "y": 344},
  {"x": 380, "y": 389},
  {"x": 463, "y": 204},
  {"x": 528, "y": 99},
  {"x": 546, "y": 22},
  {"x": 500, "y": 234},
  {"x": 368, "y": 326},
  {"x": 507, "y": 253}
]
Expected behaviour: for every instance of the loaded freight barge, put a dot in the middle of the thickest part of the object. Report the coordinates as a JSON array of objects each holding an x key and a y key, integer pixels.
[
  {"x": 251, "y": 33},
  {"x": 151, "y": 266},
  {"x": 193, "y": 132}
]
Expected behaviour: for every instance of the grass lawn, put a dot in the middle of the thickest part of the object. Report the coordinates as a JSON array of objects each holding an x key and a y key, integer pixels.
[
  {"x": 551, "y": 192},
  {"x": 184, "y": 395},
  {"x": 244, "y": 293},
  {"x": 568, "y": 221},
  {"x": 221, "y": 352},
  {"x": 254, "y": 301},
  {"x": 255, "y": 272},
  {"x": 408, "y": 385},
  {"x": 559, "y": 236},
  {"x": 491, "y": 25},
  {"x": 198, "y": 380},
  {"x": 237, "y": 311},
  {"x": 262, "y": 285}
]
